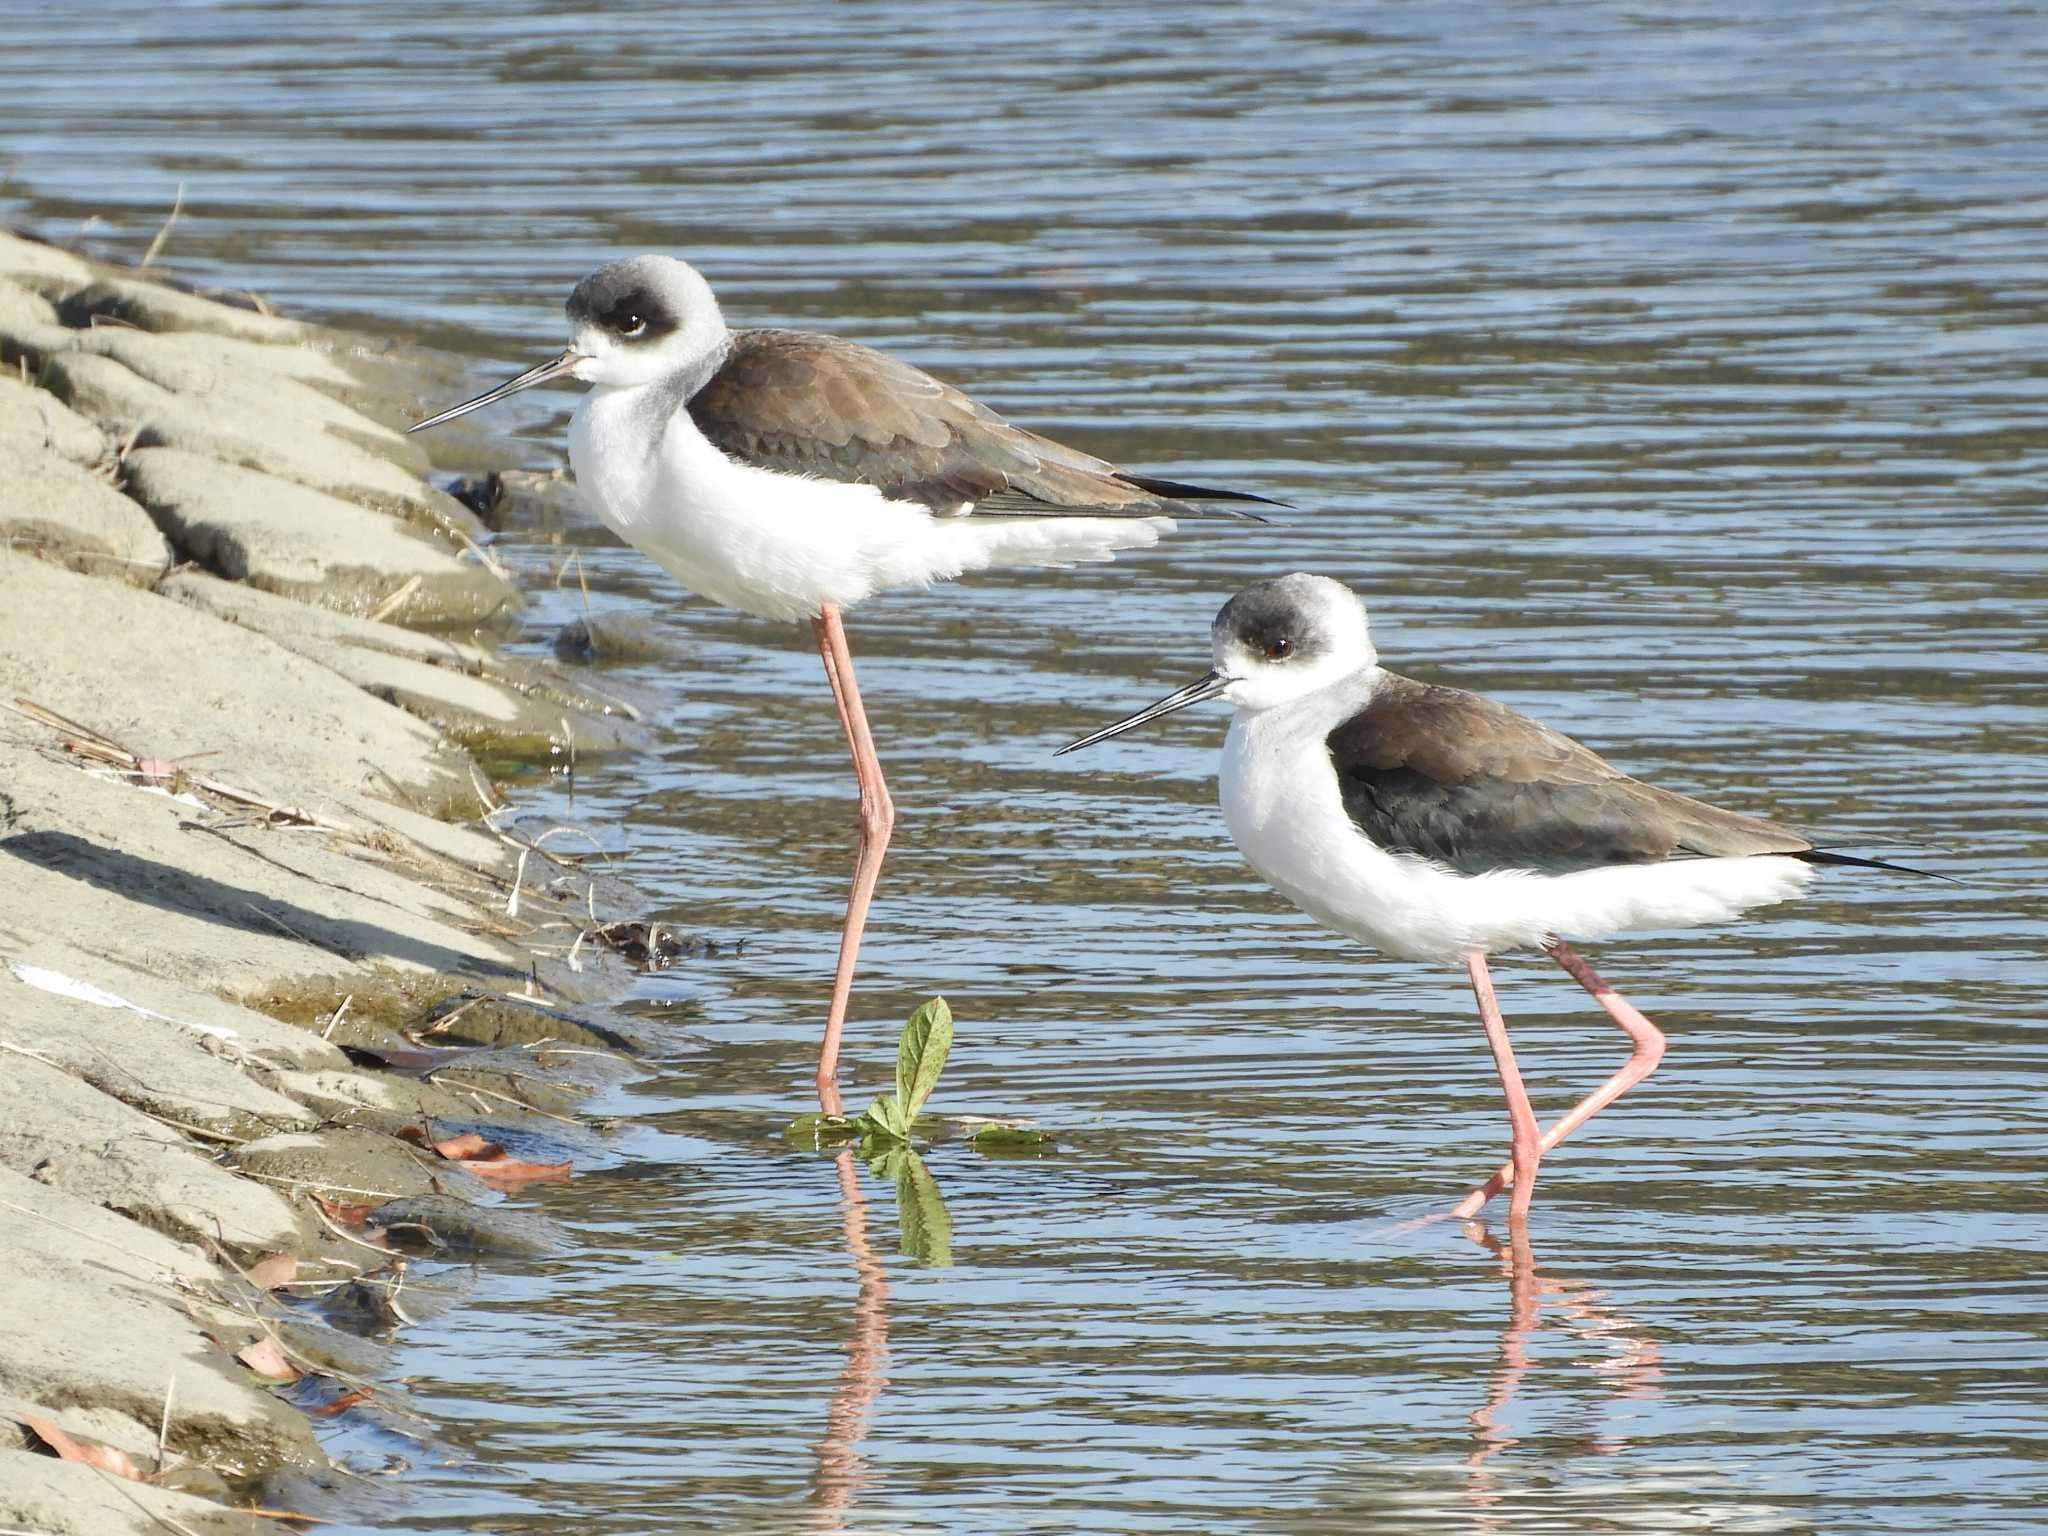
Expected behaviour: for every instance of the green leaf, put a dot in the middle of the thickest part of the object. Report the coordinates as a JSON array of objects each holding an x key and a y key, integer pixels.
[
  {"x": 998, "y": 1140},
  {"x": 921, "y": 1055},
  {"x": 885, "y": 1117},
  {"x": 927, "y": 1228},
  {"x": 814, "y": 1131}
]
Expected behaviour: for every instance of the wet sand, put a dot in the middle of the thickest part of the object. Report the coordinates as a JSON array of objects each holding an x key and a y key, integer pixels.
[{"x": 250, "y": 874}]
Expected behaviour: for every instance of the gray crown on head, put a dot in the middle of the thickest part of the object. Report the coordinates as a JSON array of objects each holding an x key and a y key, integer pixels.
[
  {"x": 1298, "y": 617},
  {"x": 641, "y": 298}
]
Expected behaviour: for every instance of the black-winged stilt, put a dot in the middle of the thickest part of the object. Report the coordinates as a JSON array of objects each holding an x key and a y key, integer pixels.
[
  {"x": 1435, "y": 824},
  {"x": 790, "y": 475}
]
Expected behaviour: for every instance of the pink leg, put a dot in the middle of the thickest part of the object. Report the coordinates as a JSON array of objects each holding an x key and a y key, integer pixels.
[
  {"x": 1527, "y": 1148},
  {"x": 1649, "y": 1050},
  {"x": 877, "y": 818},
  {"x": 832, "y": 677}
]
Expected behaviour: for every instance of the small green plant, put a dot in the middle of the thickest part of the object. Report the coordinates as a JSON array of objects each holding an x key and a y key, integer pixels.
[
  {"x": 891, "y": 1122},
  {"x": 920, "y": 1058},
  {"x": 886, "y": 1124},
  {"x": 881, "y": 1135}
]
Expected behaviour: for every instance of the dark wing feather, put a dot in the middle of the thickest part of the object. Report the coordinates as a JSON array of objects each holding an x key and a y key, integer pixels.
[
  {"x": 1451, "y": 776},
  {"x": 810, "y": 404}
]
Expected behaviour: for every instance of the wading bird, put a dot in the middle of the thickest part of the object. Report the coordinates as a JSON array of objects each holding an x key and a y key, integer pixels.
[
  {"x": 1435, "y": 824},
  {"x": 790, "y": 475}
]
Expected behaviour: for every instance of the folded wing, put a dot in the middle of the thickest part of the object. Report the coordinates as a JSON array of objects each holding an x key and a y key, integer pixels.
[
  {"x": 804, "y": 403},
  {"x": 1450, "y": 776}
]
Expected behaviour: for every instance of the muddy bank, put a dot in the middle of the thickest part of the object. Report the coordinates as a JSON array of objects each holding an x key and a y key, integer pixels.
[{"x": 270, "y": 1018}]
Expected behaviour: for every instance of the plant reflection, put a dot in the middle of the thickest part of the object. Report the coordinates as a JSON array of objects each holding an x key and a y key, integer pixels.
[{"x": 1635, "y": 1370}]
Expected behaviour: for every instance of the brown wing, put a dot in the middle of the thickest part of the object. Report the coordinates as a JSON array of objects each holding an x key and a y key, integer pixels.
[
  {"x": 805, "y": 403},
  {"x": 1454, "y": 777}
]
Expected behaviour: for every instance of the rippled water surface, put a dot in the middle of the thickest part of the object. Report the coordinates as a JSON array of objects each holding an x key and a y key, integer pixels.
[{"x": 1674, "y": 372}]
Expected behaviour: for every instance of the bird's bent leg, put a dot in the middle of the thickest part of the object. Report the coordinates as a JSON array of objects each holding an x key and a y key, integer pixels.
[
  {"x": 877, "y": 818},
  {"x": 1527, "y": 1145},
  {"x": 1647, "y": 1038}
]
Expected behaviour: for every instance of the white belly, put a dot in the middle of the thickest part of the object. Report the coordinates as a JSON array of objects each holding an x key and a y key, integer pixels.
[
  {"x": 782, "y": 546},
  {"x": 1282, "y": 804}
]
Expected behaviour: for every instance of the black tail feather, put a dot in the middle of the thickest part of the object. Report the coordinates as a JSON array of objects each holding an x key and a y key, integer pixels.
[
  {"x": 1020, "y": 504},
  {"x": 1180, "y": 490},
  {"x": 1825, "y": 856}
]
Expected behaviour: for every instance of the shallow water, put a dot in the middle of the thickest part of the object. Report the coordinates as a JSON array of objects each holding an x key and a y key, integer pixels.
[{"x": 1673, "y": 373}]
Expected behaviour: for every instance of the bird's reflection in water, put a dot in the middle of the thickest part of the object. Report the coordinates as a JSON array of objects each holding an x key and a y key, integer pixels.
[
  {"x": 843, "y": 1474},
  {"x": 842, "y": 1471},
  {"x": 1631, "y": 1362}
]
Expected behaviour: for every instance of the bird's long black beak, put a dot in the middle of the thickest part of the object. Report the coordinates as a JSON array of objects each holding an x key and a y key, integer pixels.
[
  {"x": 1196, "y": 692},
  {"x": 554, "y": 368}
]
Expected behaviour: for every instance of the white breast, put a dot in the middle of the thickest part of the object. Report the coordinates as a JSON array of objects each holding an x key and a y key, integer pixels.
[
  {"x": 1283, "y": 806},
  {"x": 780, "y": 545}
]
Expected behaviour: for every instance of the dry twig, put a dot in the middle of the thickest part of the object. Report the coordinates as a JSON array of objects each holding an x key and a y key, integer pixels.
[
  {"x": 85, "y": 742},
  {"x": 164, "y": 234}
]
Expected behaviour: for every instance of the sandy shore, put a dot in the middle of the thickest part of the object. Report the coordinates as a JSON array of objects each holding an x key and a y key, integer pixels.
[{"x": 239, "y": 687}]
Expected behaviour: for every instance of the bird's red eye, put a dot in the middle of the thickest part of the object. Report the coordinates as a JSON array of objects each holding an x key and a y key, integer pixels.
[{"x": 1279, "y": 650}]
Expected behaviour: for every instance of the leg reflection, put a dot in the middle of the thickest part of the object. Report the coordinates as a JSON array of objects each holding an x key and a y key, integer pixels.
[
  {"x": 842, "y": 1471},
  {"x": 1518, "y": 1265},
  {"x": 1631, "y": 1361}
]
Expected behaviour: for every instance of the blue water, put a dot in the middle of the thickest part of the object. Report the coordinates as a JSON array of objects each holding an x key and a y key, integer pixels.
[{"x": 1673, "y": 373}]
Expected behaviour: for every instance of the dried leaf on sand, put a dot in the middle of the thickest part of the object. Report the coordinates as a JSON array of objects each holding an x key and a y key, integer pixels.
[
  {"x": 266, "y": 1357},
  {"x": 274, "y": 1271},
  {"x": 91, "y": 1452},
  {"x": 346, "y": 1213},
  {"x": 487, "y": 1159}
]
